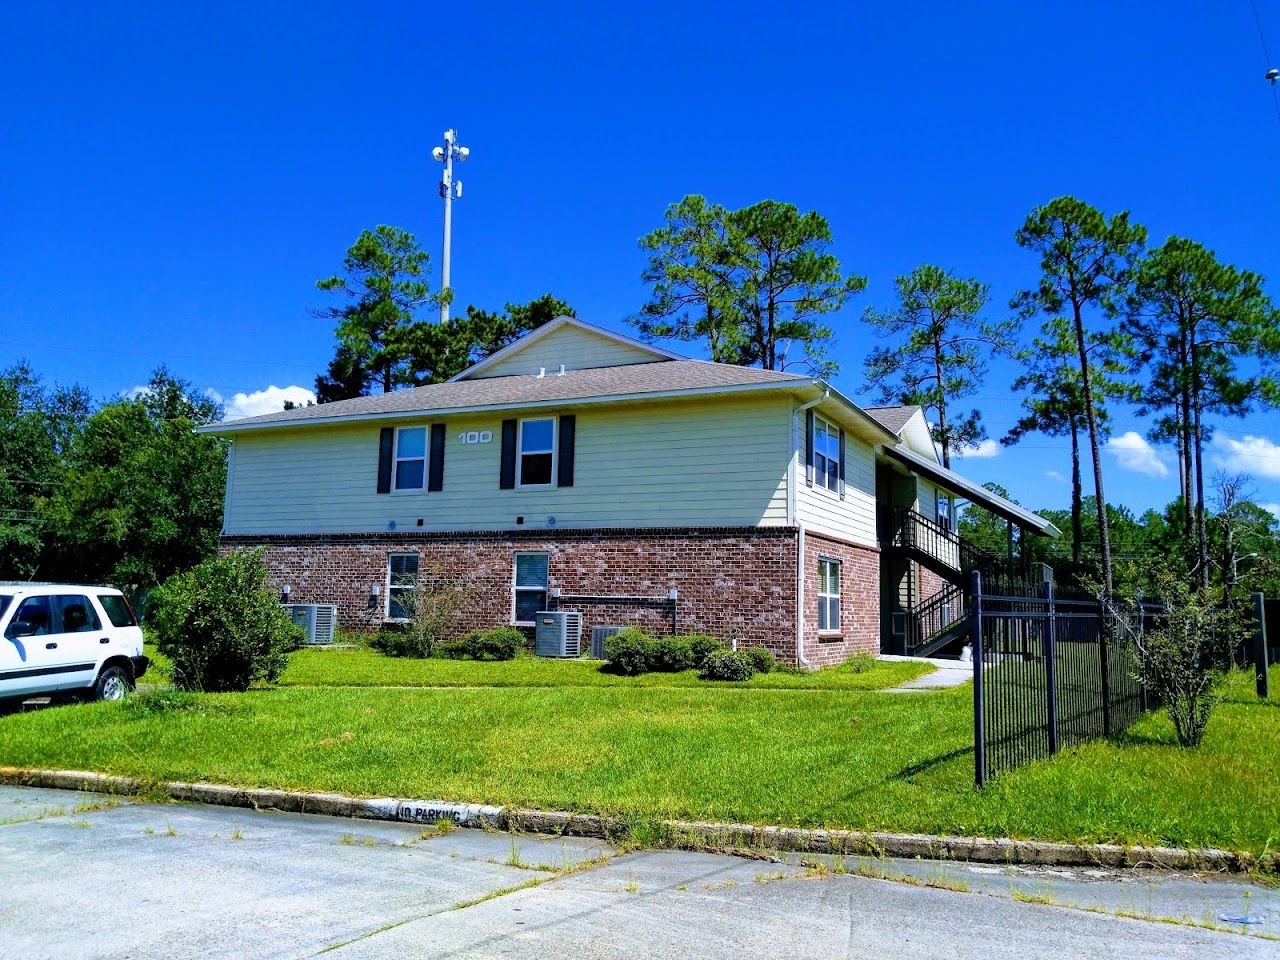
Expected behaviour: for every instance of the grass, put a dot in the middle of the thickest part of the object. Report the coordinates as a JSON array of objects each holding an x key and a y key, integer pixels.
[
  {"x": 363, "y": 667},
  {"x": 831, "y": 757}
]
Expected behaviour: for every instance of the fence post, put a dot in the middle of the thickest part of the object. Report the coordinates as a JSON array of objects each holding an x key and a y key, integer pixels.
[
  {"x": 1260, "y": 651},
  {"x": 979, "y": 720},
  {"x": 1050, "y": 659},
  {"x": 1103, "y": 672}
]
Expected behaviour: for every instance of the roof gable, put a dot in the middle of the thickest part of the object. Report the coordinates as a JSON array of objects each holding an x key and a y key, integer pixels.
[{"x": 570, "y": 342}]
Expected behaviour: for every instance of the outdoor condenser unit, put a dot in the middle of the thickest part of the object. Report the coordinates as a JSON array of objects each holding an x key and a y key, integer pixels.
[
  {"x": 318, "y": 620},
  {"x": 598, "y": 636},
  {"x": 558, "y": 633}
]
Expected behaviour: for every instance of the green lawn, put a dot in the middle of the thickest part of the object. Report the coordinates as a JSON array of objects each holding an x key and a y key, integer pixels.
[
  {"x": 361, "y": 667},
  {"x": 836, "y": 758}
]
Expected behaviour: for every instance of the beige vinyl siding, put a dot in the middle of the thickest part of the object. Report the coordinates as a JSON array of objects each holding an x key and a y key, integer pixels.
[
  {"x": 717, "y": 462},
  {"x": 822, "y": 510},
  {"x": 577, "y": 349}
]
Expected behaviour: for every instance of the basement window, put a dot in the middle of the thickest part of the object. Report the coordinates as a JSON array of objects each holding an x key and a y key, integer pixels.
[
  {"x": 402, "y": 580},
  {"x": 828, "y": 596},
  {"x": 530, "y": 588}
]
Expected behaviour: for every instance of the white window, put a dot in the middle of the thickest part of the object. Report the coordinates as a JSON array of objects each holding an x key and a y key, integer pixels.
[
  {"x": 826, "y": 454},
  {"x": 411, "y": 458},
  {"x": 537, "y": 452},
  {"x": 828, "y": 596},
  {"x": 530, "y": 587},
  {"x": 944, "y": 511},
  {"x": 402, "y": 580}
]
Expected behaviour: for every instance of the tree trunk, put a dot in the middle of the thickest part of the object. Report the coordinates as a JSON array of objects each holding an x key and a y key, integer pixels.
[
  {"x": 1077, "y": 522},
  {"x": 1091, "y": 419},
  {"x": 942, "y": 405},
  {"x": 1197, "y": 437}
]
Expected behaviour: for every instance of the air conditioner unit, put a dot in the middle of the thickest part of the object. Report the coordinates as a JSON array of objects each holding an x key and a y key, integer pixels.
[
  {"x": 558, "y": 633},
  {"x": 318, "y": 620},
  {"x": 598, "y": 636}
]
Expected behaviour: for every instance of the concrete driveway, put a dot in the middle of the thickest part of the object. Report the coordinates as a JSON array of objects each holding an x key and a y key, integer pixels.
[{"x": 87, "y": 876}]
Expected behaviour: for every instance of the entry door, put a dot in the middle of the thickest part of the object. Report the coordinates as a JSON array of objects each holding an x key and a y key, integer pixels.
[{"x": 79, "y": 637}]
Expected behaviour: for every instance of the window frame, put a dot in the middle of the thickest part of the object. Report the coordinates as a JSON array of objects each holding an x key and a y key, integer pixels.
[
  {"x": 517, "y": 588},
  {"x": 823, "y": 427},
  {"x": 390, "y": 584},
  {"x": 396, "y": 459},
  {"x": 520, "y": 452},
  {"x": 825, "y": 597}
]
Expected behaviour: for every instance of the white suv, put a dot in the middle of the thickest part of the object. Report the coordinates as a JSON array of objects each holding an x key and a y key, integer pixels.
[{"x": 58, "y": 639}]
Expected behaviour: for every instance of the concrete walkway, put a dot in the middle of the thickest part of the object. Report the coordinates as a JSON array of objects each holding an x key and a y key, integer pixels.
[
  {"x": 91, "y": 876},
  {"x": 945, "y": 674}
]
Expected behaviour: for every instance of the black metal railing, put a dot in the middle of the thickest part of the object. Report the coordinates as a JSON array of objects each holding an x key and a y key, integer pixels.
[
  {"x": 937, "y": 618},
  {"x": 1049, "y": 672},
  {"x": 912, "y": 530}
]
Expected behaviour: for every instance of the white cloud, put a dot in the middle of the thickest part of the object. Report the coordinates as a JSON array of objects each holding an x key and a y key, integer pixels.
[
  {"x": 1055, "y": 476},
  {"x": 1133, "y": 453},
  {"x": 1271, "y": 508},
  {"x": 133, "y": 393},
  {"x": 984, "y": 450},
  {"x": 270, "y": 400},
  {"x": 1253, "y": 455}
]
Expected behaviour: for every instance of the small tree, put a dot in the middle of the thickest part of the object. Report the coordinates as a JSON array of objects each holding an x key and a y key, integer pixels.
[
  {"x": 220, "y": 624},
  {"x": 1181, "y": 660},
  {"x": 432, "y": 611}
]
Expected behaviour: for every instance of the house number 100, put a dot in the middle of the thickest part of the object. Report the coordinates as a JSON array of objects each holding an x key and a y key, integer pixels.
[{"x": 476, "y": 436}]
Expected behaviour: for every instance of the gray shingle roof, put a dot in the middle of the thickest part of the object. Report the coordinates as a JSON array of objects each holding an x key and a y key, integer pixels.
[
  {"x": 891, "y": 418},
  {"x": 637, "y": 379}
]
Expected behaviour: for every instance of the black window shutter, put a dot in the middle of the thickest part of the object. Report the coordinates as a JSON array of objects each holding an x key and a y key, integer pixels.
[
  {"x": 435, "y": 475},
  {"x": 507, "y": 478},
  {"x": 841, "y": 464},
  {"x": 808, "y": 447},
  {"x": 385, "y": 442},
  {"x": 564, "y": 470}
]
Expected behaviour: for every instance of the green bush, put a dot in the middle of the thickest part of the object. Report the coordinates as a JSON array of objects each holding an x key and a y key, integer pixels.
[
  {"x": 702, "y": 646},
  {"x": 728, "y": 665},
  {"x": 394, "y": 640},
  {"x": 860, "y": 662},
  {"x": 628, "y": 652},
  {"x": 762, "y": 661},
  {"x": 220, "y": 625},
  {"x": 670, "y": 655},
  {"x": 500, "y": 643}
]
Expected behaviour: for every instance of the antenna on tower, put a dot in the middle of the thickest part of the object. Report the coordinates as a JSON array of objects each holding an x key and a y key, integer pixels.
[{"x": 449, "y": 191}]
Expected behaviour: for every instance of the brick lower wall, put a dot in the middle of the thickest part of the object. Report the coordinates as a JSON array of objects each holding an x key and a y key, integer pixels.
[
  {"x": 731, "y": 581},
  {"x": 929, "y": 583},
  {"x": 859, "y": 600}
]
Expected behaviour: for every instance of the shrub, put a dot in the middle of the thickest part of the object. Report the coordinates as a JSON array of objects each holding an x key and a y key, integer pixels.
[
  {"x": 432, "y": 609},
  {"x": 727, "y": 665},
  {"x": 220, "y": 625},
  {"x": 860, "y": 662},
  {"x": 501, "y": 643},
  {"x": 628, "y": 652},
  {"x": 762, "y": 661},
  {"x": 670, "y": 655},
  {"x": 702, "y": 646},
  {"x": 1180, "y": 660}
]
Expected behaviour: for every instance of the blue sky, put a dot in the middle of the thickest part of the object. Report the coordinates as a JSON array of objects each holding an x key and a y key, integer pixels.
[{"x": 173, "y": 181}]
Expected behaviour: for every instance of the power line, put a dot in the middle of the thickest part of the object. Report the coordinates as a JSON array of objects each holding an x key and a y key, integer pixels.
[
  {"x": 161, "y": 357},
  {"x": 1269, "y": 66}
]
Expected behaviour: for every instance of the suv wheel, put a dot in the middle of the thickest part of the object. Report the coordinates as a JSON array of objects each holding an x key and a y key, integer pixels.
[{"x": 112, "y": 684}]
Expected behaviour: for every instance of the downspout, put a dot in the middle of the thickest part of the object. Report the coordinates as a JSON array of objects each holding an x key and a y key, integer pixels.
[{"x": 793, "y": 484}]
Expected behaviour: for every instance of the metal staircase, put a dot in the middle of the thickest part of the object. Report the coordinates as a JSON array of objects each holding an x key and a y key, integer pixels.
[{"x": 942, "y": 620}]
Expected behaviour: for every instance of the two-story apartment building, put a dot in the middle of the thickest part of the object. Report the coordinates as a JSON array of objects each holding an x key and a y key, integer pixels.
[{"x": 584, "y": 470}]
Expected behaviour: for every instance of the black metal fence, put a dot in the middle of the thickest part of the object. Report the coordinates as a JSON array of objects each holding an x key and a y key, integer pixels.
[{"x": 1049, "y": 672}]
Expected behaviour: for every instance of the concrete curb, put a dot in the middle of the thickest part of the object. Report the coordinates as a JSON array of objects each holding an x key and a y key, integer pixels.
[{"x": 680, "y": 834}]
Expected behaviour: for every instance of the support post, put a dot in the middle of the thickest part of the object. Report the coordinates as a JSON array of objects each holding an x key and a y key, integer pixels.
[
  {"x": 1260, "y": 652},
  {"x": 1051, "y": 659},
  {"x": 1103, "y": 667},
  {"x": 979, "y": 717}
]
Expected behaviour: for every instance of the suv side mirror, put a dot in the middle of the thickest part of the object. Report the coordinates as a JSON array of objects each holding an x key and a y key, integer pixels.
[{"x": 21, "y": 628}]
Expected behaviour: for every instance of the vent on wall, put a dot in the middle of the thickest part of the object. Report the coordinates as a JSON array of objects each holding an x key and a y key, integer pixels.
[
  {"x": 598, "y": 636},
  {"x": 558, "y": 633},
  {"x": 319, "y": 621}
]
